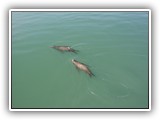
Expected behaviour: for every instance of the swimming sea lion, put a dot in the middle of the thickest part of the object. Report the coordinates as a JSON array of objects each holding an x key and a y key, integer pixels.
[
  {"x": 64, "y": 48},
  {"x": 83, "y": 67}
]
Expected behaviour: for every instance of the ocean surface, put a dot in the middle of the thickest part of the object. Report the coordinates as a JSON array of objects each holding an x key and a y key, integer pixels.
[{"x": 113, "y": 44}]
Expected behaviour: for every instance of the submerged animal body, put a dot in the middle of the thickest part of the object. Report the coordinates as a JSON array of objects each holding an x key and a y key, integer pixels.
[
  {"x": 64, "y": 48},
  {"x": 83, "y": 67}
]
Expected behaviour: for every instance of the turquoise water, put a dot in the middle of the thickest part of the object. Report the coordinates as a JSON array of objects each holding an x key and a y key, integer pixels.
[{"x": 113, "y": 44}]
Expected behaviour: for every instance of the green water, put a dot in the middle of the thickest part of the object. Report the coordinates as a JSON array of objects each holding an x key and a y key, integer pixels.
[{"x": 113, "y": 44}]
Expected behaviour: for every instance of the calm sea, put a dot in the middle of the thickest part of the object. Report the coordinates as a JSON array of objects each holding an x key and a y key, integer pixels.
[{"x": 113, "y": 44}]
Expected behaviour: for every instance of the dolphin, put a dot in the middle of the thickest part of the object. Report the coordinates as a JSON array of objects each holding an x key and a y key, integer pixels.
[
  {"x": 64, "y": 48},
  {"x": 83, "y": 67}
]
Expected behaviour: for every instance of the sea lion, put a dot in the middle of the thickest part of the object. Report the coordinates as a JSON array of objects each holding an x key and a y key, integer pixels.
[
  {"x": 83, "y": 67},
  {"x": 64, "y": 48}
]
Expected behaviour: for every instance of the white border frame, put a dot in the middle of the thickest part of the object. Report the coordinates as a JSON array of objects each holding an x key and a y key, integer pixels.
[{"x": 94, "y": 109}]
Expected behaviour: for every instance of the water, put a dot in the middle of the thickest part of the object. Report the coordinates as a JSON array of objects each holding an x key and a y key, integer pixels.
[{"x": 113, "y": 44}]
